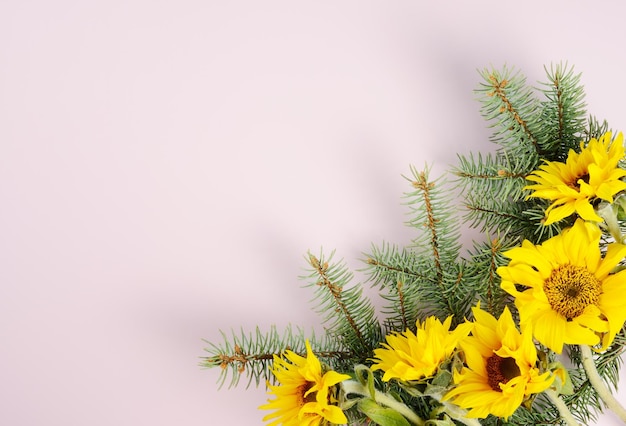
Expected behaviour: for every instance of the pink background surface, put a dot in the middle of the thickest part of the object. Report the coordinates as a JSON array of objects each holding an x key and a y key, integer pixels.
[{"x": 165, "y": 166}]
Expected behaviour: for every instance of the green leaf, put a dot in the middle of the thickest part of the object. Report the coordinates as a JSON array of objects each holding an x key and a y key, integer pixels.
[
  {"x": 443, "y": 378},
  {"x": 562, "y": 383},
  {"x": 366, "y": 378},
  {"x": 381, "y": 415}
]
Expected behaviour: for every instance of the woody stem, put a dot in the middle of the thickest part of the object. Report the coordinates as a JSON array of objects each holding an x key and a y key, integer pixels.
[
  {"x": 596, "y": 381},
  {"x": 565, "y": 413}
]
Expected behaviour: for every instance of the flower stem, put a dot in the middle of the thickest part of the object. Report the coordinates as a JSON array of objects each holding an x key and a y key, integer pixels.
[
  {"x": 454, "y": 411},
  {"x": 458, "y": 414},
  {"x": 596, "y": 381},
  {"x": 566, "y": 414},
  {"x": 351, "y": 386}
]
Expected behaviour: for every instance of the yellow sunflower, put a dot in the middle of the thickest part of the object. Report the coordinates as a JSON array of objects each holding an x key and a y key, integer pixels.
[
  {"x": 573, "y": 185},
  {"x": 410, "y": 356},
  {"x": 500, "y": 369},
  {"x": 570, "y": 294},
  {"x": 305, "y": 395}
]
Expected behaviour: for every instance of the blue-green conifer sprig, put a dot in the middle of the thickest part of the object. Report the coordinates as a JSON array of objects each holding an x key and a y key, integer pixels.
[
  {"x": 563, "y": 112},
  {"x": 251, "y": 354},
  {"x": 512, "y": 108},
  {"x": 346, "y": 313},
  {"x": 397, "y": 273},
  {"x": 486, "y": 256},
  {"x": 423, "y": 279},
  {"x": 529, "y": 122},
  {"x": 437, "y": 245}
]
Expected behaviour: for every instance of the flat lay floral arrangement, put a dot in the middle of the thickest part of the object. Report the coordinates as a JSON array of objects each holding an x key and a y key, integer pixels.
[{"x": 524, "y": 327}]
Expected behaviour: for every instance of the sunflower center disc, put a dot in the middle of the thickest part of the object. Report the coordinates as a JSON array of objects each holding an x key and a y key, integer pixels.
[
  {"x": 576, "y": 183},
  {"x": 570, "y": 289},
  {"x": 500, "y": 370},
  {"x": 303, "y": 396}
]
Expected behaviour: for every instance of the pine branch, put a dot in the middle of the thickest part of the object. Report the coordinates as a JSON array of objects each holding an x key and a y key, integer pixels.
[
  {"x": 431, "y": 270},
  {"x": 563, "y": 113},
  {"x": 389, "y": 261},
  {"x": 595, "y": 128},
  {"x": 438, "y": 247},
  {"x": 252, "y": 354},
  {"x": 425, "y": 187},
  {"x": 496, "y": 216},
  {"x": 486, "y": 257},
  {"x": 348, "y": 315},
  {"x": 499, "y": 85},
  {"x": 505, "y": 210},
  {"x": 434, "y": 219},
  {"x": 398, "y": 274},
  {"x": 512, "y": 105},
  {"x": 495, "y": 175}
]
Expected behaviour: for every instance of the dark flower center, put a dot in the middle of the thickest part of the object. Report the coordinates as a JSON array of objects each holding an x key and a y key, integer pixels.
[
  {"x": 500, "y": 370},
  {"x": 302, "y": 393},
  {"x": 576, "y": 182},
  {"x": 570, "y": 289}
]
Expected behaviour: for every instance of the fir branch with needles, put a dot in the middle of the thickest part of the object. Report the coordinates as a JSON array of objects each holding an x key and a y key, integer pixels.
[
  {"x": 436, "y": 250},
  {"x": 433, "y": 217},
  {"x": 251, "y": 354},
  {"x": 563, "y": 112},
  {"x": 486, "y": 257},
  {"x": 397, "y": 273},
  {"x": 346, "y": 313},
  {"x": 512, "y": 107}
]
